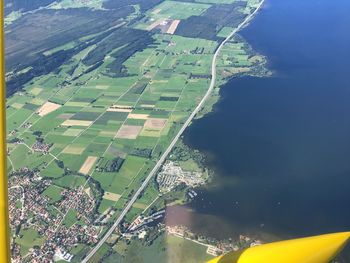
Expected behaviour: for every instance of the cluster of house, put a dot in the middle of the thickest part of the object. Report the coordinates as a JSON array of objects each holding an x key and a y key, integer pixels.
[
  {"x": 41, "y": 147},
  {"x": 78, "y": 200},
  {"x": 173, "y": 175},
  {"x": 141, "y": 221},
  {"x": 30, "y": 209},
  {"x": 26, "y": 201}
]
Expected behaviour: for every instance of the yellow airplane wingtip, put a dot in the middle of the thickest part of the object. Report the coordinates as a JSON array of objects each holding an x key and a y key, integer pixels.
[{"x": 318, "y": 249}]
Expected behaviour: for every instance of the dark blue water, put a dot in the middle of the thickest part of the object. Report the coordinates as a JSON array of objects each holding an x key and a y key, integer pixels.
[{"x": 280, "y": 146}]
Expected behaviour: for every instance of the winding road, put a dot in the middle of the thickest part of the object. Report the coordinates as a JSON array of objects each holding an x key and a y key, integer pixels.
[{"x": 177, "y": 137}]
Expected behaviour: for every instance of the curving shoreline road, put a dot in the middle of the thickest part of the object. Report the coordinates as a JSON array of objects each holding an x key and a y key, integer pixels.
[{"x": 176, "y": 138}]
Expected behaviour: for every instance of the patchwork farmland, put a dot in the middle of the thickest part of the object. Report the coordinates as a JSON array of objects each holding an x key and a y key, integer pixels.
[{"x": 94, "y": 128}]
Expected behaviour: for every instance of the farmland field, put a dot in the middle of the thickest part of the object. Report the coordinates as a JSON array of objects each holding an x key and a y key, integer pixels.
[{"x": 173, "y": 10}]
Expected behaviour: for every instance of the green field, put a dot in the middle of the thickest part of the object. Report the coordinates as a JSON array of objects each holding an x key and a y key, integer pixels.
[
  {"x": 96, "y": 4},
  {"x": 225, "y": 32},
  {"x": 172, "y": 10},
  {"x": 28, "y": 239},
  {"x": 70, "y": 219},
  {"x": 166, "y": 248},
  {"x": 53, "y": 192}
]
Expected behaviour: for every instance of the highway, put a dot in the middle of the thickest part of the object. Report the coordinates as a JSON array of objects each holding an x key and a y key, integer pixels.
[{"x": 176, "y": 138}]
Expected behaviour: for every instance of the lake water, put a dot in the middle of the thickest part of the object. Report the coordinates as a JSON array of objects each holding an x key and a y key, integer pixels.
[{"x": 280, "y": 146}]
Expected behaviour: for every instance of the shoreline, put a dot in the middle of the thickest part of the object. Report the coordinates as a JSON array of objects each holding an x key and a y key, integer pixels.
[
  {"x": 259, "y": 71},
  {"x": 214, "y": 246}
]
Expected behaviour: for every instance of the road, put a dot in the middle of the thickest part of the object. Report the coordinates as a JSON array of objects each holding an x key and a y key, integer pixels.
[{"x": 177, "y": 137}]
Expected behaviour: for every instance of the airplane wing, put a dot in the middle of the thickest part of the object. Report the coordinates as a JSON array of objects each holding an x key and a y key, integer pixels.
[{"x": 318, "y": 249}]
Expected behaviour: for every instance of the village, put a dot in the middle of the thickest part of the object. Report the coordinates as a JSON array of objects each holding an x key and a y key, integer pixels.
[{"x": 59, "y": 226}]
